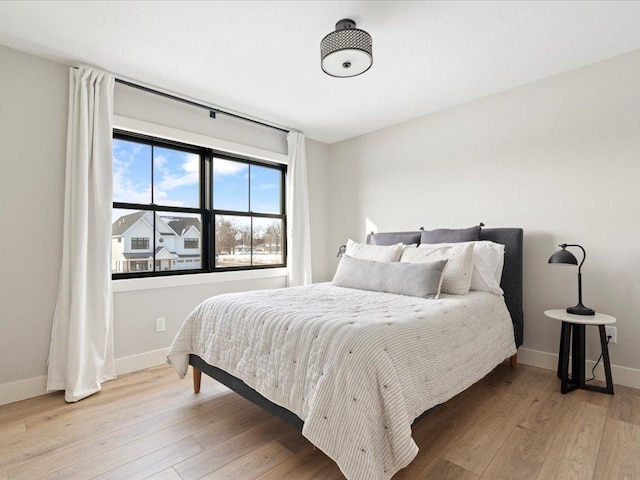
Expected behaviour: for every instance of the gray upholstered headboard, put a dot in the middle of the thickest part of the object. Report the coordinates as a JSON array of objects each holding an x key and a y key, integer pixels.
[{"x": 511, "y": 282}]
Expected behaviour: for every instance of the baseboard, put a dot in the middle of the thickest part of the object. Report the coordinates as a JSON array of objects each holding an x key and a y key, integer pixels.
[
  {"x": 23, "y": 389},
  {"x": 36, "y": 386},
  {"x": 141, "y": 361},
  {"x": 629, "y": 377}
]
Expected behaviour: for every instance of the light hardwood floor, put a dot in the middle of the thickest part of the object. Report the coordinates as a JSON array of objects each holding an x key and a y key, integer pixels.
[{"x": 514, "y": 424}]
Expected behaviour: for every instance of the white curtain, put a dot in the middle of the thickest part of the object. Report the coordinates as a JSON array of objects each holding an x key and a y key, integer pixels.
[
  {"x": 81, "y": 350},
  {"x": 298, "y": 230}
]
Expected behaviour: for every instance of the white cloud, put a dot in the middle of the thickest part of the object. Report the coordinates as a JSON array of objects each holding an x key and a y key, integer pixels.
[
  {"x": 159, "y": 160},
  {"x": 192, "y": 164},
  {"x": 130, "y": 187},
  {"x": 160, "y": 196},
  {"x": 191, "y": 167},
  {"x": 228, "y": 167},
  {"x": 124, "y": 189}
]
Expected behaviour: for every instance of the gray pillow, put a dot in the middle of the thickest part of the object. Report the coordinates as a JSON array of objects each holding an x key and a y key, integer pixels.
[
  {"x": 413, "y": 279},
  {"x": 391, "y": 238},
  {"x": 445, "y": 235}
]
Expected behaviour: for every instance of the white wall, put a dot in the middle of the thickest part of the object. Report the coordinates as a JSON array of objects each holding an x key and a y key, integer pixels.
[
  {"x": 319, "y": 185},
  {"x": 33, "y": 130},
  {"x": 559, "y": 158}
]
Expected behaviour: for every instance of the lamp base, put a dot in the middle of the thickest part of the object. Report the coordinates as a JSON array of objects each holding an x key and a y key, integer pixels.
[{"x": 581, "y": 310}]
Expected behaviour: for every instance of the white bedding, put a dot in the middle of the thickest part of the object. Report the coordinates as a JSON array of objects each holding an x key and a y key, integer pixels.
[{"x": 357, "y": 366}]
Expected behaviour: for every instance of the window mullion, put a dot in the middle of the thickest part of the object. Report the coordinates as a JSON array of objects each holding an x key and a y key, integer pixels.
[{"x": 153, "y": 190}]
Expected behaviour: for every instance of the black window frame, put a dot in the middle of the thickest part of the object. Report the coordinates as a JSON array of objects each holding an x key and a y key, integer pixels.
[
  {"x": 250, "y": 214},
  {"x": 206, "y": 211}
]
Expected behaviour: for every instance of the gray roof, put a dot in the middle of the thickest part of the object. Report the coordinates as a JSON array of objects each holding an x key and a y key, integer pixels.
[
  {"x": 148, "y": 255},
  {"x": 179, "y": 225},
  {"x": 137, "y": 256},
  {"x": 125, "y": 222},
  {"x": 182, "y": 224}
]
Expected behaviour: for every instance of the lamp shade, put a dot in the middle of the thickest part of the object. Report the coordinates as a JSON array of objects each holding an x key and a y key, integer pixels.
[
  {"x": 347, "y": 52},
  {"x": 564, "y": 257}
]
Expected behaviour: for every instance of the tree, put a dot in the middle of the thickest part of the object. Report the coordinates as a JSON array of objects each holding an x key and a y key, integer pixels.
[
  {"x": 258, "y": 235},
  {"x": 273, "y": 236},
  {"x": 225, "y": 235},
  {"x": 243, "y": 236}
]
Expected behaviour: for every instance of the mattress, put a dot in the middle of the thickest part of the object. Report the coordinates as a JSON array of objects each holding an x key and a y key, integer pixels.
[{"x": 356, "y": 366}]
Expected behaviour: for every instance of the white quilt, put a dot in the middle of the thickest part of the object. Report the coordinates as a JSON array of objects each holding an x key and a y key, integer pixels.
[{"x": 357, "y": 366}]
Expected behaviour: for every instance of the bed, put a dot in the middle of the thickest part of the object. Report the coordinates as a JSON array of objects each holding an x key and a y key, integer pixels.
[{"x": 353, "y": 369}]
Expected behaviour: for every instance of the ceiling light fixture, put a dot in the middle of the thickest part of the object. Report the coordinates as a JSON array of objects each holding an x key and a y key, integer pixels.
[{"x": 347, "y": 51}]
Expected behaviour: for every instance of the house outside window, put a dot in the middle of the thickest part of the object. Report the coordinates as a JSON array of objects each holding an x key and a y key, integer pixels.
[{"x": 185, "y": 209}]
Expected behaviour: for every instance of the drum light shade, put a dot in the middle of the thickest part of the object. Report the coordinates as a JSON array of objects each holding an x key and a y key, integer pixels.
[{"x": 347, "y": 52}]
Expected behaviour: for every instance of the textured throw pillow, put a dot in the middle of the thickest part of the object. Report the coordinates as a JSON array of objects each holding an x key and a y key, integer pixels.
[
  {"x": 488, "y": 261},
  {"x": 457, "y": 277},
  {"x": 445, "y": 235},
  {"x": 417, "y": 280},
  {"x": 378, "y": 253},
  {"x": 394, "y": 238}
]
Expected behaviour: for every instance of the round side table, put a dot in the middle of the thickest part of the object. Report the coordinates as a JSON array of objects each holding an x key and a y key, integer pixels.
[{"x": 573, "y": 332}]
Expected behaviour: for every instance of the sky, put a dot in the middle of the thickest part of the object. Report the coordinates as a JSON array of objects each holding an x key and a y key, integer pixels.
[{"x": 176, "y": 180}]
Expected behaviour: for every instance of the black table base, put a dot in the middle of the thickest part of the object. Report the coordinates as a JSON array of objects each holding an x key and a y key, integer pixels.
[{"x": 577, "y": 378}]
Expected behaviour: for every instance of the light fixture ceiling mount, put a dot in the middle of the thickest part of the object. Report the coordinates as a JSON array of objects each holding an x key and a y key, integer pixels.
[{"x": 347, "y": 52}]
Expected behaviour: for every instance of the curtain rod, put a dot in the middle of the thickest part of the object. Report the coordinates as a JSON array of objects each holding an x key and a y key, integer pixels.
[{"x": 212, "y": 110}]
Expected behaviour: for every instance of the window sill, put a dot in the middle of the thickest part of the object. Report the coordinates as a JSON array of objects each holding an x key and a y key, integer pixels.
[{"x": 149, "y": 283}]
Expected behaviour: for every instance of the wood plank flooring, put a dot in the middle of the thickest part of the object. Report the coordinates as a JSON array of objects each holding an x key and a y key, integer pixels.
[{"x": 513, "y": 424}]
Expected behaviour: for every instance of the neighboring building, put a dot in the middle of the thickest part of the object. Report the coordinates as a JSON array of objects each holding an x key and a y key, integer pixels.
[{"x": 177, "y": 239}]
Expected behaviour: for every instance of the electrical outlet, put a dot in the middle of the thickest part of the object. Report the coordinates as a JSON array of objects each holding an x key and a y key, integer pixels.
[
  {"x": 613, "y": 333},
  {"x": 160, "y": 324}
]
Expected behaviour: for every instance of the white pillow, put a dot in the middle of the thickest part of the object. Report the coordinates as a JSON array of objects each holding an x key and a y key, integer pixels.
[
  {"x": 488, "y": 261},
  {"x": 377, "y": 253},
  {"x": 456, "y": 279}
]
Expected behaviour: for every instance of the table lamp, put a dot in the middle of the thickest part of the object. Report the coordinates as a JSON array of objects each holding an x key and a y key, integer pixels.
[{"x": 565, "y": 257}]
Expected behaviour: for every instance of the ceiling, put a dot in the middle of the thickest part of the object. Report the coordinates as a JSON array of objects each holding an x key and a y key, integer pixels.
[{"x": 262, "y": 58}]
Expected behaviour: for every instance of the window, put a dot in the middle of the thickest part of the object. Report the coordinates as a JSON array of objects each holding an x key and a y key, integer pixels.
[
  {"x": 138, "y": 266},
  {"x": 186, "y": 209},
  {"x": 139, "y": 243},
  {"x": 191, "y": 243},
  {"x": 248, "y": 210}
]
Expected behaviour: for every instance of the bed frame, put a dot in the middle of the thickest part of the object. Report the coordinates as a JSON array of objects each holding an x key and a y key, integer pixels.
[{"x": 511, "y": 238}]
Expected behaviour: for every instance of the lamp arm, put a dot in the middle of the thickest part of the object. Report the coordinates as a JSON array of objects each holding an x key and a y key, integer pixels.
[{"x": 584, "y": 254}]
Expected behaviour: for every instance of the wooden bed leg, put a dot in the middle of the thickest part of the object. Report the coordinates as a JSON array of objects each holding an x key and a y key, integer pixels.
[
  {"x": 197, "y": 377},
  {"x": 513, "y": 360}
]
